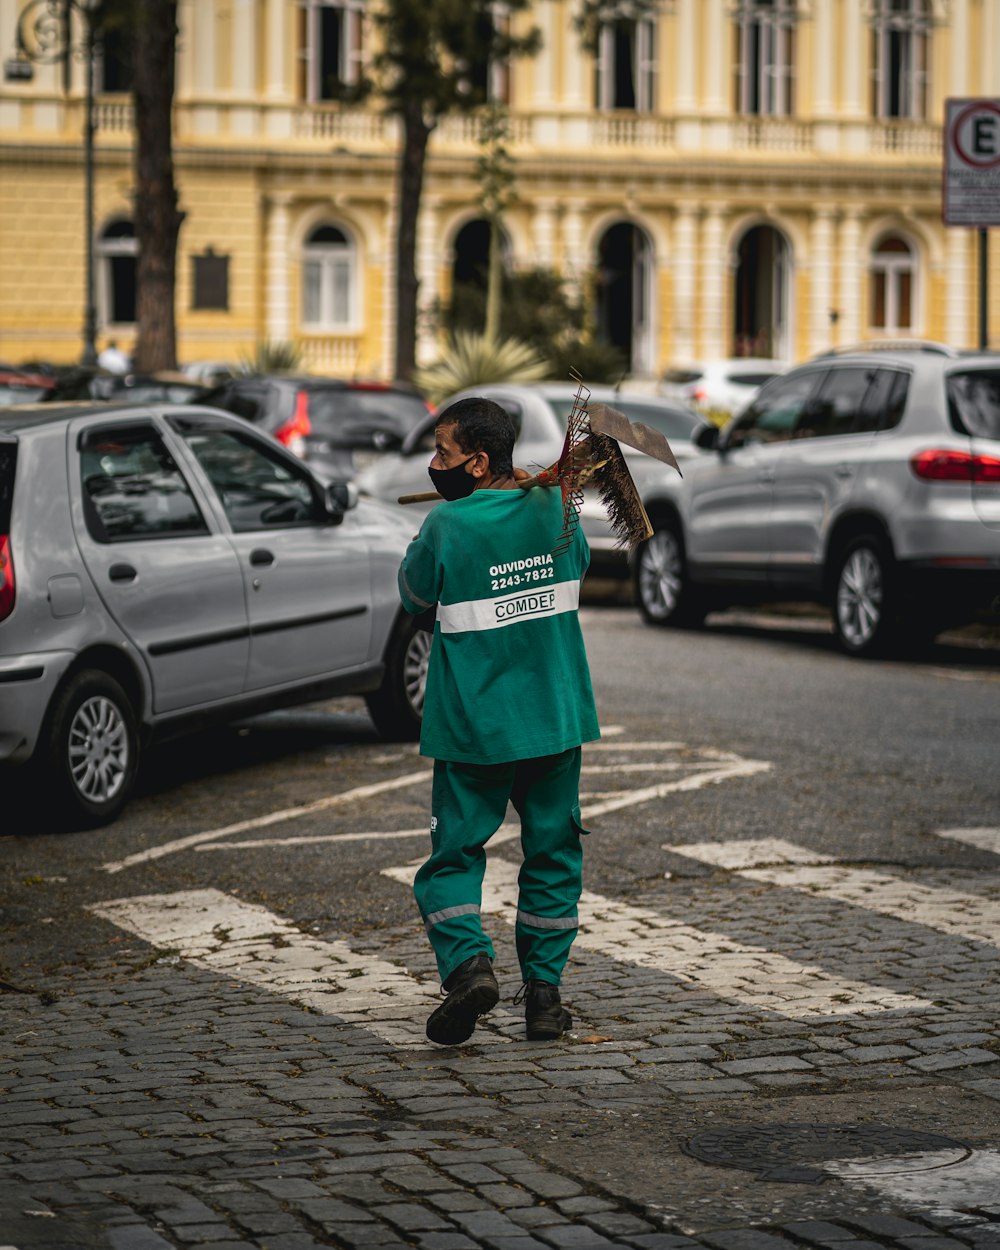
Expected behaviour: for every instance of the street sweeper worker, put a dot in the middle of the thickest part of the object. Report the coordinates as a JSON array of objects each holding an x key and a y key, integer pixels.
[{"x": 508, "y": 705}]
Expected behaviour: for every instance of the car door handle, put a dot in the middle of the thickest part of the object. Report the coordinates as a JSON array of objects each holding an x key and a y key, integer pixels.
[
  {"x": 122, "y": 573},
  {"x": 844, "y": 470},
  {"x": 260, "y": 555},
  {"x": 766, "y": 477}
]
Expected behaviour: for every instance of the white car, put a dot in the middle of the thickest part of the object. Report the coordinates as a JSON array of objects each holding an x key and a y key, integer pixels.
[{"x": 719, "y": 386}]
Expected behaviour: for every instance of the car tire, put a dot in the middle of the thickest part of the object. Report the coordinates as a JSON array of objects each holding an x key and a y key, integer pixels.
[
  {"x": 91, "y": 750},
  {"x": 660, "y": 581},
  {"x": 397, "y": 707},
  {"x": 865, "y": 598}
]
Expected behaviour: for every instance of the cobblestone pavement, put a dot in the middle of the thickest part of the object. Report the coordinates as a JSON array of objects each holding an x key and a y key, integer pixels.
[{"x": 780, "y": 1050}]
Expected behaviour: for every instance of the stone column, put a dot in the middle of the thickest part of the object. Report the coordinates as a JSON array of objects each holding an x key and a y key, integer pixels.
[
  {"x": 278, "y": 321},
  {"x": 853, "y": 59},
  {"x": 278, "y": 88},
  {"x": 428, "y": 261},
  {"x": 820, "y": 279},
  {"x": 849, "y": 290},
  {"x": 960, "y": 67},
  {"x": 575, "y": 260},
  {"x": 957, "y": 272},
  {"x": 824, "y": 58},
  {"x": 543, "y": 232},
  {"x": 685, "y": 60},
  {"x": 714, "y": 275},
  {"x": 685, "y": 239},
  {"x": 244, "y": 67},
  {"x": 716, "y": 65}
]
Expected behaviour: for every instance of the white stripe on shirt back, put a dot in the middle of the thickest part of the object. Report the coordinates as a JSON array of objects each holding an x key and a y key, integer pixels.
[{"x": 480, "y": 614}]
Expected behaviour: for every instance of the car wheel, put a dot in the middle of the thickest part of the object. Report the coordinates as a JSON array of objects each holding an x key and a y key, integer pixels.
[
  {"x": 91, "y": 753},
  {"x": 397, "y": 707},
  {"x": 864, "y": 598},
  {"x": 662, "y": 590}
]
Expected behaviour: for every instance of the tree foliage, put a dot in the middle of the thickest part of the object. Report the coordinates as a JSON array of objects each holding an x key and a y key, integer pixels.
[{"x": 432, "y": 59}]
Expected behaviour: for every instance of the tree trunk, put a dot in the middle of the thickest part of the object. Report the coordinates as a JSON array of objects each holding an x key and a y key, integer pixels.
[
  {"x": 416, "y": 133},
  {"x": 157, "y": 219}
]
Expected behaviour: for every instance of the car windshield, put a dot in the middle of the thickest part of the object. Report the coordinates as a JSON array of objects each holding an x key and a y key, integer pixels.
[
  {"x": 974, "y": 402},
  {"x": 670, "y": 422},
  {"x": 342, "y": 416}
]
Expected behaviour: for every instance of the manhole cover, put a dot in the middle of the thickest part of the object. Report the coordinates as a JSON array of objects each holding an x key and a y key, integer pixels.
[{"x": 788, "y": 1152}]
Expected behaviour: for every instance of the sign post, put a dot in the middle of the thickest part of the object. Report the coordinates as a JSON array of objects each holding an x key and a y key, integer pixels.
[{"x": 971, "y": 192}]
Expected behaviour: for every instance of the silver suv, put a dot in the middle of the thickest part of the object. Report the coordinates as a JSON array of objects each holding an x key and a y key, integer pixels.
[
  {"x": 163, "y": 567},
  {"x": 869, "y": 481}
]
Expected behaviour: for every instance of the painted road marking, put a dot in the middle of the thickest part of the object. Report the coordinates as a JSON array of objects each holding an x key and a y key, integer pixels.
[
  {"x": 984, "y": 839},
  {"x": 246, "y": 942},
  {"x": 723, "y": 965},
  {"x": 708, "y": 767},
  {"x": 271, "y": 818},
  {"x": 941, "y": 907}
]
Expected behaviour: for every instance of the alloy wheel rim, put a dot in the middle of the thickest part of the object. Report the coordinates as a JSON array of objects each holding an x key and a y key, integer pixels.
[
  {"x": 859, "y": 597},
  {"x": 660, "y": 574},
  {"x": 98, "y": 749},
  {"x": 415, "y": 669}
]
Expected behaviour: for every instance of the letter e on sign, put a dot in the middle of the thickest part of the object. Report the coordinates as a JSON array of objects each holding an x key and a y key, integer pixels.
[{"x": 971, "y": 163}]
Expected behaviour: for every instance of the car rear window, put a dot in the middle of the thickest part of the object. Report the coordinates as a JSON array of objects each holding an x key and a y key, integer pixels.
[
  {"x": 680, "y": 377},
  {"x": 8, "y": 463},
  {"x": 747, "y": 378},
  {"x": 974, "y": 402},
  {"x": 668, "y": 421},
  {"x": 21, "y": 393},
  {"x": 344, "y": 416}
]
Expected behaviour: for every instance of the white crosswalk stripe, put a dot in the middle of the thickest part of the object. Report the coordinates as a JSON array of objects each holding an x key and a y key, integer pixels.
[
  {"x": 717, "y": 962},
  {"x": 248, "y": 943},
  {"x": 937, "y": 904}
]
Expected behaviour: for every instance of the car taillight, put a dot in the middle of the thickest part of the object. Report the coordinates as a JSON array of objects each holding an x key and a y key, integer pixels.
[
  {"x": 698, "y": 394},
  {"x": 6, "y": 577},
  {"x": 940, "y": 464},
  {"x": 293, "y": 433}
]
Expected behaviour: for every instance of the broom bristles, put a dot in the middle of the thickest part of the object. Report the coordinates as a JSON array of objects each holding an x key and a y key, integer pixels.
[{"x": 626, "y": 515}]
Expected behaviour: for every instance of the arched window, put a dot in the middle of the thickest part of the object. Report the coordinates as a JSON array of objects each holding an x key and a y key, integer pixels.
[
  {"x": 117, "y": 253},
  {"x": 892, "y": 276},
  {"x": 328, "y": 279},
  {"x": 900, "y": 58},
  {"x": 765, "y": 57}
]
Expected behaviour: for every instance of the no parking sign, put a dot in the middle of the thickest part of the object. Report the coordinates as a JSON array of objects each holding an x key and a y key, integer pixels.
[{"x": 972, "y": 163}]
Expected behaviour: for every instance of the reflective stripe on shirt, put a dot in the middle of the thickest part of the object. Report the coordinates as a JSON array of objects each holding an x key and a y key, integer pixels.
[{"x": 481, "y": 614}]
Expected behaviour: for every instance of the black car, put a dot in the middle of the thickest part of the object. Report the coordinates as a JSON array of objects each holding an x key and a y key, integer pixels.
[
  {"x": 84, "y": 382},
  {"x": 337, "y": 427}
]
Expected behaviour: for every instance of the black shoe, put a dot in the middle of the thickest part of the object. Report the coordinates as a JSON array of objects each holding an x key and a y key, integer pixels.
[
  {"x": 544, "y": 1015},
  {"x": 472, "y": 991}
]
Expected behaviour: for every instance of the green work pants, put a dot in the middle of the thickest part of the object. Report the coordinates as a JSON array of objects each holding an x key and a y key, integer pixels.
[{"x": 469, "y": 802}]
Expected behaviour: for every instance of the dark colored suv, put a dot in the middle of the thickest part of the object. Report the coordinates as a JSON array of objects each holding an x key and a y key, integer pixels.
[{"x": 337, "y": 427}]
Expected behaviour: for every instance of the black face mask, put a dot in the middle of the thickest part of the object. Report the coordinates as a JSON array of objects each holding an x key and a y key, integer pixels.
[{"x": 454, "y": 483}]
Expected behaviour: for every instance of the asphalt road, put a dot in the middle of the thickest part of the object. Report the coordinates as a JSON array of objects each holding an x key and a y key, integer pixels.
[{"x": 785, "y": 978}]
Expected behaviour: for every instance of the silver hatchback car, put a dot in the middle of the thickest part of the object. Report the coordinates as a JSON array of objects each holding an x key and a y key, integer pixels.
[
  {"x": 869, "y": 481},
  {"x": 164, "y": 567}
]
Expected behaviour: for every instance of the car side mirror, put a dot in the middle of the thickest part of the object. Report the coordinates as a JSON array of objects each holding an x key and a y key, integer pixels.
[
  {"x": 340, "y": 498},
  {"x": 707, "y": 438}
]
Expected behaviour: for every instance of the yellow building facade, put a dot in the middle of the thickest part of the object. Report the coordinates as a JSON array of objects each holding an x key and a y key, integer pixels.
[{"x": 752, "y": 177}]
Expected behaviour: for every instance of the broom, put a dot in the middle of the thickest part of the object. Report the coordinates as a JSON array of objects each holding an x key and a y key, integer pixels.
[{"x": 591, "y": 456}]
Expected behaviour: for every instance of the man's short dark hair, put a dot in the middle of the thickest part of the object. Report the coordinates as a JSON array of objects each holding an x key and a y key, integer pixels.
[{"x": 480, "y": 424}]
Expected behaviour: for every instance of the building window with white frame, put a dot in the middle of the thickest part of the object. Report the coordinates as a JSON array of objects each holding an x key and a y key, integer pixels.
[
  {"x": 117, "y": 262},
  {"x": 329, "y": 278},
  {"x": 330, "y": 48},
  {"x": 626, "y": 65},
  {"x": 765, "y": 57},
  {"x": 900, "y": 58},
  {"x": 892, "y": 276}
]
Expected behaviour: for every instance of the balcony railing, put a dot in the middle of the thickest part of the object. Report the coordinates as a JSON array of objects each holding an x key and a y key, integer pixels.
[{"x": 544, "y": 132}]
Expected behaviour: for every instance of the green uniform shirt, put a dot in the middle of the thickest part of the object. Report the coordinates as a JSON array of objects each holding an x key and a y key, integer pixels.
[{"x": 508, "y": 676}]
